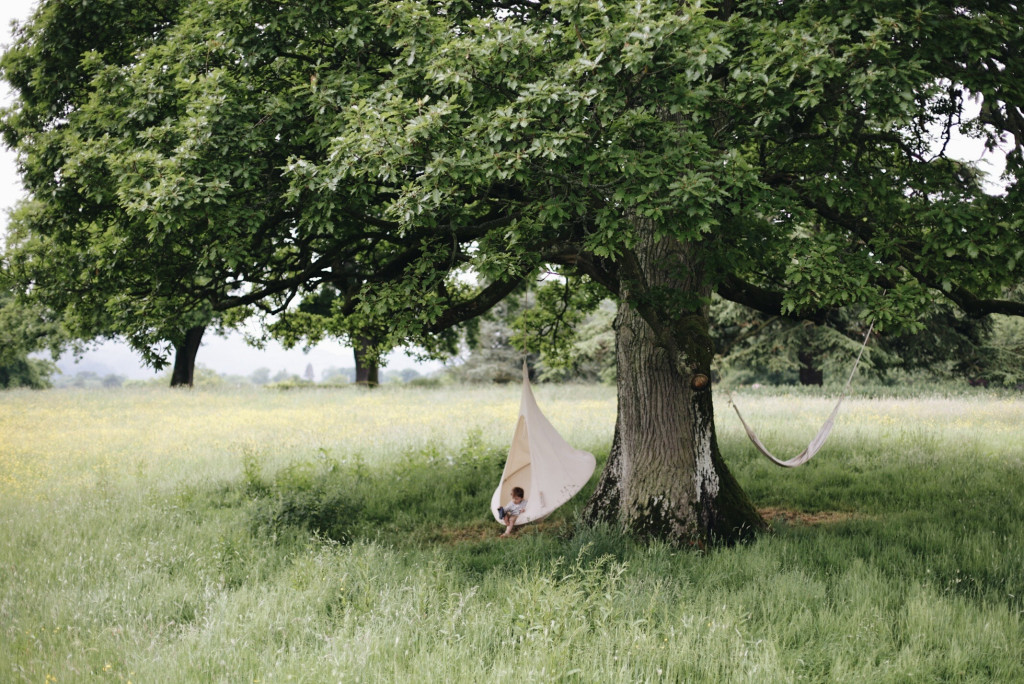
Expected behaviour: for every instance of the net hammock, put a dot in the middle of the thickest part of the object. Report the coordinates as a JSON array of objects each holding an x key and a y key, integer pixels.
[
  {"x": 548, "y": 469},
  {"x": 820, "y": 438}
]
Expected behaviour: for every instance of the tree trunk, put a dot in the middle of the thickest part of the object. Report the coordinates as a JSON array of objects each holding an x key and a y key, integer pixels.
[
  {"x": 665, "y": 476},
  {"x": 809, "y": 373},
  {"x": 185, "y": 357},
  {"x": 367, "y": 369}
]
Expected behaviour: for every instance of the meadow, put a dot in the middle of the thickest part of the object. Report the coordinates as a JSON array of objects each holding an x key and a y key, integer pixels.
[{"x": 149, "y": 535}]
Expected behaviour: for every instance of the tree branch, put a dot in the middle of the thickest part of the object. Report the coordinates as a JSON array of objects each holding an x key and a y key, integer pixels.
[
  {"x": 970, "y": 303},
  {"x": 275, "y": 287},
  {"x": 478, "y": 305},
  {"x": 768, "y": 302},
  {"x": 601, "y": 271}
]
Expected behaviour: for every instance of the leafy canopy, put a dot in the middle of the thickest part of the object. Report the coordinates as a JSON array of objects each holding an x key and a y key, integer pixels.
[
  {"x": 217, "y": 156},
  {"x": 797, "y": 146}
]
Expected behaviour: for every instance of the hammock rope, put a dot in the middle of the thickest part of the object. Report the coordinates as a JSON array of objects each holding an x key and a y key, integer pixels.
[{"x": 820, "y": 438}]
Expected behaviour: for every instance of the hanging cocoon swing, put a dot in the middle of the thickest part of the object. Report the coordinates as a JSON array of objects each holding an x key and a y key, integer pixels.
[{"x": 549, "y": 470}]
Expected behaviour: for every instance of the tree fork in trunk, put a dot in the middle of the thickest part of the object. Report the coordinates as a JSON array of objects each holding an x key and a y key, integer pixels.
[
  {"x": 665, "y": 476},
  {"x": 185, "y": 357}
]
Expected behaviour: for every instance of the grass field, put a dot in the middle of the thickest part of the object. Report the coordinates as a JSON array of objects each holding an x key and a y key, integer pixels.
[{"x": 317, "y": 536}]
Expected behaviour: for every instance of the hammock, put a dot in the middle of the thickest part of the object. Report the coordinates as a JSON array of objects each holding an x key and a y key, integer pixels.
[
  {"x": 541, "y": 462},
  {"x": 819, "y": 439}
]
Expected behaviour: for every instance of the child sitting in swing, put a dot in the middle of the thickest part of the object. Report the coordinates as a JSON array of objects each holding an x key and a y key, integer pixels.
[{"x": 513, "y": 509}]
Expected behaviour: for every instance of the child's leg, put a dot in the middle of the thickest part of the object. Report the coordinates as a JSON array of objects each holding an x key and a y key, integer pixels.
[{"x": 510, "y": 522}]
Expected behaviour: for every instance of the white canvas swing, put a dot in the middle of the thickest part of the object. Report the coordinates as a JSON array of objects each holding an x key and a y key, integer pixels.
[{"x": 548, "y": 469}]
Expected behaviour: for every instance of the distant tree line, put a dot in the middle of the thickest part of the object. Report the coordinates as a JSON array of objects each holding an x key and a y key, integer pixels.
[
  {"x": 750, "y": 347},
  {"x": 205, "y": 377}
]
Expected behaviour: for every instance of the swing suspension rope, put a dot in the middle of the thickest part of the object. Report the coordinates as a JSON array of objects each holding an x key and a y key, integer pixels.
[{"x": 819, "y": 439}]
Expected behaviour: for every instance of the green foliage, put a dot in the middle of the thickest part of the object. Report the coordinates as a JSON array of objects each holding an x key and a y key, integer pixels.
[
  {"x": 66, "y": 249},
  {"x": 152, "y": 160},
  {"x": 24, "y": 329},
  {"x": 797, "y": 141},
  {"x": 949, "y": 347},
  {"x": 494, "y": 355},
  {"x": 26, "y": 372},
  {"x": 203, "y": 377},
  {"x": 591, "y": 356},
  {"x": 560, "y": 327},
  {"x": 91, "y": 380},
  {"x": 999, "y": 360},
  {"x": 214, "y": 156},
  {"x": 548, "y": 325}
]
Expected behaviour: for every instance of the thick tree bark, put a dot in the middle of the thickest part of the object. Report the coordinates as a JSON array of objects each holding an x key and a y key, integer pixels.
[
  {"x": 665, "y": 476},
  {"x": 185, "y": 357},
  {"x": 367, "y": 369}
]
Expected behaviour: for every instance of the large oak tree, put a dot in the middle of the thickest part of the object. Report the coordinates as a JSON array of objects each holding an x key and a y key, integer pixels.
[{"x": 790, "y": 156}]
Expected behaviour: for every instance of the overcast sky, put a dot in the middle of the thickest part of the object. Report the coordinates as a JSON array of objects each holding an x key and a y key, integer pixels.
[{"x": 232, "y": 355}]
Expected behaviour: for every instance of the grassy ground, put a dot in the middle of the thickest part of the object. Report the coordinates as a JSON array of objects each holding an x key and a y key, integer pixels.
[{"x": 315, "y": 536}]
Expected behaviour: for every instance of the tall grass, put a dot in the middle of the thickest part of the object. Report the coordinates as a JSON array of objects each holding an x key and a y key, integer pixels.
[{"x": 316, "y": 536}]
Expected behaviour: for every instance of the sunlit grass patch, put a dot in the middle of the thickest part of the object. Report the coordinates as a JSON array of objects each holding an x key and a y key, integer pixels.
[{"x": 64, "y": 440}]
